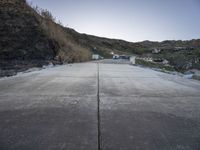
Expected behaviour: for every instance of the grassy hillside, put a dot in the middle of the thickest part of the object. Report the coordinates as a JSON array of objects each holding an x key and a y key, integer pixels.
[
  {"x": 30, "y": 37},
  {"x": 27, "y": 36}
]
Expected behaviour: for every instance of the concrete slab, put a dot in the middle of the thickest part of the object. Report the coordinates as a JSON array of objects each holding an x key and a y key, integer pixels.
[
  {"x": 52, "y": 109},
  {"x": 142, "y": 109}
]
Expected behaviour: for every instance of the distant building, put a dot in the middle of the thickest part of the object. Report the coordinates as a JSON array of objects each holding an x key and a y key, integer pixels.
[
  {"x": 115, "y": 56},
  {"x": 156, "y": 50},
  {"x": 150, "y": 59},
  {"x": 95, "y": 57},
  {"x": 165, "y": 62},
  {"x": 132, "y": 59}
]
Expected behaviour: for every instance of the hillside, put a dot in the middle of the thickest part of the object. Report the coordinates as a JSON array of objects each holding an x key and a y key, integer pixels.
[{"x": 32, "y": 38}]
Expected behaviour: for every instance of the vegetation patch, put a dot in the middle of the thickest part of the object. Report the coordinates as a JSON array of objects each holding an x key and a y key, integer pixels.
[
  {"x": 196, "y": 77},
  {"x": 154, "y": 65}
]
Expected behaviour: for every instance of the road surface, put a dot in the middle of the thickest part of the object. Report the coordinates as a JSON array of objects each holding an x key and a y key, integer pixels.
[{"x": 139, "y": 109}]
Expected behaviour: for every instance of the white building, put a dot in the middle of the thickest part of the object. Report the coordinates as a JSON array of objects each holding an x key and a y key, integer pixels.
[
  {"x": 115, "y": 56},
  {"x": 156, "y": 51},
  {"x": 132, "y": 59},
  {"x": 95, "y": 57}
]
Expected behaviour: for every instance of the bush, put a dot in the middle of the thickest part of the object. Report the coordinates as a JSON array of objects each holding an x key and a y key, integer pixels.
[
  {"x": 153, "y": 65},
  {"x": 66, "y": 48},
  {"x": 196, "y": 77}
]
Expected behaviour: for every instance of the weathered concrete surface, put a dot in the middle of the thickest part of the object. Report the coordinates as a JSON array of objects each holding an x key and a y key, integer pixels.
[
  {"x": 52, "y": 109},
  {"x": 141, "y": 109},
  {"x": 146, "y": 110}
]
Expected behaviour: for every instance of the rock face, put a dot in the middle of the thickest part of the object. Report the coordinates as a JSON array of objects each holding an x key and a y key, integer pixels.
[{"x": 20, "y": 34}]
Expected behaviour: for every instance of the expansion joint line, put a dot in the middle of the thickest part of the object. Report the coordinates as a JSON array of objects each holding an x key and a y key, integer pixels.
[{"x": 98, "y": 110}]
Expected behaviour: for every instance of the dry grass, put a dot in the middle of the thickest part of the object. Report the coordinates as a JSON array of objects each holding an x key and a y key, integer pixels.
[{"x": 68, "y": 50}]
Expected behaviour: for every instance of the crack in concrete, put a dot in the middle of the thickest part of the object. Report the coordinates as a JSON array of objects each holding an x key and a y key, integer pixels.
[{"x": 98, "y": 110}]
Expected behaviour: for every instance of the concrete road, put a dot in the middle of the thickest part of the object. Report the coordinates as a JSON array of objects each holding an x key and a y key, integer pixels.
[
  {"x": 51, "y": 109},
  {"x": 140, "y": 109}
]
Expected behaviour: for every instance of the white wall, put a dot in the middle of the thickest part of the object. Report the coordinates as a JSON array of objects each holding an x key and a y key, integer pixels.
[{"x": 132, "y": 59}]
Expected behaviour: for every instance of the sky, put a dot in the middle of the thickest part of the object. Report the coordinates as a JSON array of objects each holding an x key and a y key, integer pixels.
[{"x": 131, "y": 20}]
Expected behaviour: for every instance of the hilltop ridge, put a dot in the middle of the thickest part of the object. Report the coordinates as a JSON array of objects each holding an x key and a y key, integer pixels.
[{"x": 30, "y": 38}]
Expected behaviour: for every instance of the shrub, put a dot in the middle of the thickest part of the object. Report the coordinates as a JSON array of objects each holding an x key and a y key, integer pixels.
[
  {"x": 67, "y": 49},
  {"x": 153, "y": 65},
  {"x": 196, "y": 77}
]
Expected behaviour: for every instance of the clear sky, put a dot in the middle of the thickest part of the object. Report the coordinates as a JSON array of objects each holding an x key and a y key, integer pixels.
[{"x": 132, "y": 20}]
